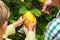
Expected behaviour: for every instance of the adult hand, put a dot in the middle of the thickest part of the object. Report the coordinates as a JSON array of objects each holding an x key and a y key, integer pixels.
[{"x": 45, "y": 8}]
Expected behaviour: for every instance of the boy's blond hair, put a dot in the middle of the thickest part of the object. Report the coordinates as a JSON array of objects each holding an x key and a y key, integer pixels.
[{"x": 4, "y": 13}]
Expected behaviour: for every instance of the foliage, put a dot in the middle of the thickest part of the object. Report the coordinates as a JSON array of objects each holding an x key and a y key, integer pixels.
[{"x": 18, "y": 8}]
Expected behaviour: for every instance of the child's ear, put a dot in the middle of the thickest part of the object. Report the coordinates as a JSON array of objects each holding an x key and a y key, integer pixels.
[{"x": 4, "y": 26}]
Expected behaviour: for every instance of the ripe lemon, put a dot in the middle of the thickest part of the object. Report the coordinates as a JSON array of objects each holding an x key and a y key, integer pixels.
[
  {"x": 30, "y": 16},
  {"x": 22, "y": 0},
  {"x": 42, "y": 1}
]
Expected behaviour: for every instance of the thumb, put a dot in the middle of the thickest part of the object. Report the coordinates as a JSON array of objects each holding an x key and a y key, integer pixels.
[{"x": 25, "y": 29}]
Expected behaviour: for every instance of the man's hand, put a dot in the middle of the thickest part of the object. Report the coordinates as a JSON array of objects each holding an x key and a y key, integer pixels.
[{"x": 45, "y": 8}]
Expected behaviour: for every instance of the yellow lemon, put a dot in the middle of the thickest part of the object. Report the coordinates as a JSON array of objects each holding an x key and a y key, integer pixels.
[
  {"x": 30, "y": 16},
  {"x": 42, "y": 1},
  {"x": 22, "y": 0}
]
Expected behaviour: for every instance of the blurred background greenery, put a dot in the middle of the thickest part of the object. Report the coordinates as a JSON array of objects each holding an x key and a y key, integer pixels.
[{"x": 18, "y": 7}]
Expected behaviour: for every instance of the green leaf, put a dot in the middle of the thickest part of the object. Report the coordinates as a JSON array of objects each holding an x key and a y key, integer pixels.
[
  {"x": 54, "y": 10},
  {"x": 36, "y": 12},
  {"x": 22, "y": 10}
]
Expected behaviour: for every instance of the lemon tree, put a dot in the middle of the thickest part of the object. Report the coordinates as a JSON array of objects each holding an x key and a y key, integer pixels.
[{"x": 20, "y": 7}]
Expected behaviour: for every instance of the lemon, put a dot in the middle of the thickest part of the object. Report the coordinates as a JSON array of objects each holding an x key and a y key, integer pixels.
[
  {"x": 42, "y": 1},
  {"x": 22, "y": 0},
  {"x": 30, "y": 16}
]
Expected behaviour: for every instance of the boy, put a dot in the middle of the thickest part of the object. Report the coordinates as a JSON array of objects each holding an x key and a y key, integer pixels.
[{"x": 4, "y": 15}]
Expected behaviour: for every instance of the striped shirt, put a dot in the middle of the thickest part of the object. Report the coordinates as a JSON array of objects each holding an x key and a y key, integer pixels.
[{"x": 53, "y": 30}]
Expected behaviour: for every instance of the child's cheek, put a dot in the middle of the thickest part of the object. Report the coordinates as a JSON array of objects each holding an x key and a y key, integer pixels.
[{"x": 4, "y": 27}]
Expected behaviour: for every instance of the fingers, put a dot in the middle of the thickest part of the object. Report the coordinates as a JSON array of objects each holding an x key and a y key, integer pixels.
[
  {"x": 46, "y": 3},
  {"x": 34, "y": 29},
  {"x": 44, "y": 8},
  {"x": 29, "y": 23},
  {"x": 31, "y": 26},
  {"x": 21, "y": 19},
  {"x": 47, "y": 12},
  {"x": 25, "y": 29},
  {"x": 34, "y": 22},
  {"x": 20, "y": 16}
]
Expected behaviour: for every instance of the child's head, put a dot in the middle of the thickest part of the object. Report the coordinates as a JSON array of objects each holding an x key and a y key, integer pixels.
[{"x": 4, "y": 15}]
